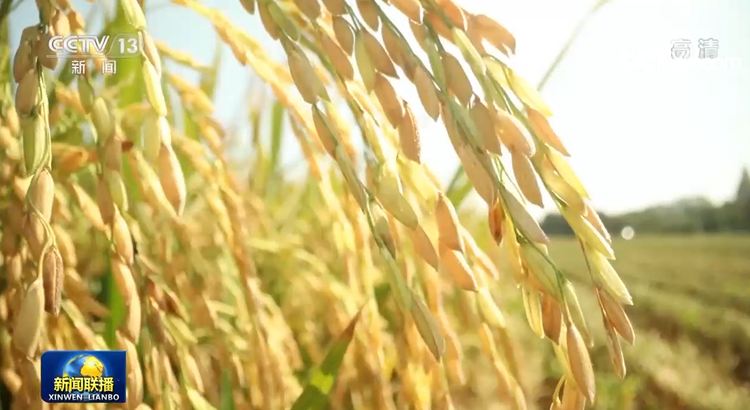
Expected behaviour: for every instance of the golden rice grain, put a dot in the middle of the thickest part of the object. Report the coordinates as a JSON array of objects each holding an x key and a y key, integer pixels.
[
  {"x": 323, "y": 131},
  {"x": 544, "y": 131},
  {"x": 27, "y": 327},
  {"x": 593, "y": 218},
  {"x": 493, "y": 32},
  {"x": 438, "y": 25},
  {"x": 347, "y": 170},
  {"x": 172, "y": 179},
  {"x": 458, "y": 82},
  {"x": 616, "y": 316},
  {"x": 382, "y": 229},
  {"x": 155, "y": 130},
  {"x": 11, "y": 379},
  {"x": 338, "y": 57},
  {"x": 369, "y": 12},
  {"x": 580, "y": 363},
  {"x": 410, "y": 8},
  {"x": 75, "y": 20},
  {"x": 606, "y": 276},
  {"x": 453, "y": 12},
  {"x": 133, "y": 367},
  {"x": 153, "y": 88},
  {"x": 335, "y": 7},
  {"x": 396, "y": 49},
  {"x": 526, "y": 178},
  {"x": 418, "y": 30},
  {"x": 455, "y": 263},
  {"x": 563, "y": 168},
  {"x": 572, "y": 398},
  {"x": 588, "y": 234},
  {"x": 28, "y": 94},
  {"x": 539, "y": 274},
  {"x": 70, "y": 98},
  {"x": 379, "y": 58},
  {"x": 272, "y": 28},
  {"x": 477, "y": 174},
  {"x": 389, "y": 191},
  {"x": 559, "y": 187},
  {"x": 41, "y": 194},
  {"x": 551, "y": 318},
  {"x": 151, "y": 52},
  {"x": 513, "y": 134},
  {"x": 248, "y": 5},
  {"x": 286, "y": 25},
  {"x": 482, "y": 118},
  {"x": 427, "y": 92},
  {"x": 10, "y": 120},
  {"x": 30, "y": 371},
  {"x": 103, "y": 200},
  {"x": 364, "y": 63},
  {"x": 344, "y": 34},
  {"x": 134, "y": 14},
  {"x": 131, "y": 326},
  {"x": 121, "y": 238},
  {"x": 408, "y": 133},
  {"x": 614, "y": 349},
  {"x": 102, "y": 119},
  {"x": 116, "y": 187},
  {"x": 46, "y": 56},
  {"x": 533, "y": 308},
  {"x": 23, "y": 61},
  {"x": 424, "y": 247},
  {"x": 428, "y": 328},
  {"x": 66, "y": 246},
  {"x": 53, "y": 277},
  {"x": 311, "y": 8},
  {"x": 574, "y": 312},
  {"x": 448, "y": 224},
  {"x": 496, "y": 219},
  {"x": 390, "y": 102},
  {"x": 304, "y": 76}
]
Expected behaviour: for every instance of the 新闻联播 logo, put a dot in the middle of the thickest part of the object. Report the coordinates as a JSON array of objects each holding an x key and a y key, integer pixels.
[{"x": 93, "y": 376}]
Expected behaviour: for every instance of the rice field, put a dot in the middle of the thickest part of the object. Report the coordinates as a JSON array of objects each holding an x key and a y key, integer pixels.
[{"x": 691, "y": 313}]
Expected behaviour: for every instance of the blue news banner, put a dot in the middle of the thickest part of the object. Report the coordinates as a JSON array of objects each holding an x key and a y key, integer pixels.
[{"x": 84, "y": 376}]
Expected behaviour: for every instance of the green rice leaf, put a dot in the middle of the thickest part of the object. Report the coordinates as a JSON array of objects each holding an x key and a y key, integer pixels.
[
  {"x": 321, "y": 382},
  {"x": 209, "y": 77},
  {"x": 226, "y": 399},
  {"x": 198, "y": 401},
  {"x": 277, "y": 128}
]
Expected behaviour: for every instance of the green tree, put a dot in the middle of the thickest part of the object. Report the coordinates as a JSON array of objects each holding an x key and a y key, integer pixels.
[{"x": 742, "y": 201}]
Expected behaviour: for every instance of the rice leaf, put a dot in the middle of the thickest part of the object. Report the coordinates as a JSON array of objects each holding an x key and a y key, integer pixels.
[
  {"x": 209, "y": 77},
  {"x": 459, "y": 188},
  {"x": 277, "y": 128},
  {"x": 198, "y": 401},
  {"x": 226, "y": 399},
  {"x": 319, "y": 386}
]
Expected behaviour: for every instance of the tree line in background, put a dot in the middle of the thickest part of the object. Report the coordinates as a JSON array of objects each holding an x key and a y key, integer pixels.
[{"x": 688, "y": 215}]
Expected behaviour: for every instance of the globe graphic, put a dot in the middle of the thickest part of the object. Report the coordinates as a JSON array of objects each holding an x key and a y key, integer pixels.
[{"x": 85, "y": 366}]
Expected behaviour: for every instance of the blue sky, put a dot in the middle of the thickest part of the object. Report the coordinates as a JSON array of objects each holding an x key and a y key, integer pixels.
[{"x": 643, "y": 128}]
